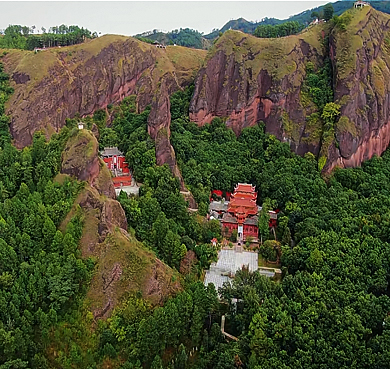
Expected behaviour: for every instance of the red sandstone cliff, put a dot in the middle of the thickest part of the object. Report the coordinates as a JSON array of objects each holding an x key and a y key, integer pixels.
[
  {"x": 247, "y": 79},
  {"x": 59, "y": 83},
  {"x": 361, "y": 63}
]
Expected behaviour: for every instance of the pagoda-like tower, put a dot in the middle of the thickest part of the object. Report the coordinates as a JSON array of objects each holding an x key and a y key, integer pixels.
[{"x": 242, "y": 205}]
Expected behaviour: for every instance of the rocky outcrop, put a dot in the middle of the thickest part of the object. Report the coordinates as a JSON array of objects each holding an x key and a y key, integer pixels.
[
  {"x": 361, "y": 63},
  {"x": 159, "y": 121},
  {"x": 56, "y": 84},
  {"x": 247, "y": 79},
  {"x": 123, "y": 265},
  {"x": 80, "y": 159}
]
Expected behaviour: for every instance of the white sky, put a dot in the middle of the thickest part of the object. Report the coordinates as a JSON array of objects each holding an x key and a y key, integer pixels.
[{"x": 133, "y": 17}]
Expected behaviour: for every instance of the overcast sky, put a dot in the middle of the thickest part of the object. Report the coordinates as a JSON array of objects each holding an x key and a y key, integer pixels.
[{"x": 133, "y": 17}]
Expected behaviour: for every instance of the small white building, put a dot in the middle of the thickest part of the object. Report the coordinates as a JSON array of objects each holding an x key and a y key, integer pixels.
[
  {"x": 360, "y": 4},
  {"x": 81, "y": 125}
]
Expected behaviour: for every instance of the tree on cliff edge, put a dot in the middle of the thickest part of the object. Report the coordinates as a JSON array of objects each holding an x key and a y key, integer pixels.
[{"x": 328, "y": 11}]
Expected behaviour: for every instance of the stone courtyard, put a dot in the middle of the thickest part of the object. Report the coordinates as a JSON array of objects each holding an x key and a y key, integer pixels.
[{"x": 229, "y": 261}]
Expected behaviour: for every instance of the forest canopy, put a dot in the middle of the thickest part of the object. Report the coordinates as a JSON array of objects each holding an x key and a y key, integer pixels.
[
  {"x": 278, "y": 30},
  {"x": 23, "y": 37}
]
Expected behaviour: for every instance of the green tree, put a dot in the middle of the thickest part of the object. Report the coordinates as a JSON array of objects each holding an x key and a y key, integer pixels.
[
  {"x": 314, "y": 15},
  {"x": 157, "y": 363},
  {"x": 181, "y": 358},
  {"x": 328, "y": 11},
  {"x": 263, "y": 222}
]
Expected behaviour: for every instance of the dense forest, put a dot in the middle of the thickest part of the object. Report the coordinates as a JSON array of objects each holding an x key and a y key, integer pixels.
[
  {"x": 41, "y": 272},
  {"x": 183, "y": 37},
  {"x": 330, "y": 309},
  {"x": 278, "y": 30},
  {"x": 23, "y": 37}
]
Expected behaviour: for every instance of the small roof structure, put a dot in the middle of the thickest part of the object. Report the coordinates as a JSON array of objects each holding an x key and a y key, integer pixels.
[
  {"x": 360, "y": 4},
  {"x": 227, "y": 218},
  {"x": 252, "y": 220},
  {"x": 218, "y": 206},
  {"x": 111, "y": 151},
  {"x": 214, "y": 214}
]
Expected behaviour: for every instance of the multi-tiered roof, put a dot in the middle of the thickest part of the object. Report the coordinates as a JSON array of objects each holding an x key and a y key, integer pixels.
[{"x": 243, "y": 202}]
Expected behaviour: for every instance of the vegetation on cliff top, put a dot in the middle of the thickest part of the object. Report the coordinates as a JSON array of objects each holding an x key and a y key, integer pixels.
[
  {"x": 279, "y": 30},
  {"x": 273, "y": 55},
  {"x": 184, "y": 37},
  {"x": 349, "y": 38},
  {"x": 5, "y": 92},
  {"x": 22, "y": 37}
]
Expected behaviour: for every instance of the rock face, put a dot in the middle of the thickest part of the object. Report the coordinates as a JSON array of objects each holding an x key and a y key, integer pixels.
[
  {"x": 159, "y": 126},
  {"x": 361, "y": 63},
  {"x": 56, "y": 84},
  {"x": 247, "y": 79},
  {"x": 244, "y": 79},
  {"x": 80, "y": 159},
  {"x": 123, "y": 264}
]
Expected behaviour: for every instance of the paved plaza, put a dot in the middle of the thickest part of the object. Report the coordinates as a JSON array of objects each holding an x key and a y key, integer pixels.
[{"x": 229, "y": 261}]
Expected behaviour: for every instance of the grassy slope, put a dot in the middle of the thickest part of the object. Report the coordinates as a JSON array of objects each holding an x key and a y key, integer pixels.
[
  {"x": 138, "y": 266},
  {"x": 271, "y": 54},
  {"x": 38, "y": 64},
  {"x": 365, "y": 31},
  {"x": 348, "y": 42}
]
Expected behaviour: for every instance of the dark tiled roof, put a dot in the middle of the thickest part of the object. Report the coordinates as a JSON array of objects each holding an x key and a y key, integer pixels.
[
  {"x": 111, "y": 151},
  {"x": 252, "y": 220},
  {"x": 218, "y": 206},
  {"x": 227, "y": 218}
]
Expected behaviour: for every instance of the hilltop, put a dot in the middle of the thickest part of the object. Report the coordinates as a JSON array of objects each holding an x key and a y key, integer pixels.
[
  {"x": 258, "y": 79},
  {"x": 204, "y": 41},
  {"x": 57, "y": 83},
  {"x": 268, "y": 80}
]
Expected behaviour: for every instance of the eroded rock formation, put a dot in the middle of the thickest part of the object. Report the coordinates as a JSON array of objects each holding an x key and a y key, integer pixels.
[
  {"x": 249, "y": 79},
  {"x": 361, "y": 63},
  {"x": 56, "y": 84},
  {"x": 123, "y": 264},
  {"x": 80, "y": 159},
  {"x": 244, "y": 79}
]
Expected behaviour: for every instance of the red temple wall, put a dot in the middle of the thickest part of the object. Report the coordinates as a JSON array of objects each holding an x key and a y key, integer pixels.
[
  {"x": 249, "y": 230},
  {"x": 121, "y": 163}
]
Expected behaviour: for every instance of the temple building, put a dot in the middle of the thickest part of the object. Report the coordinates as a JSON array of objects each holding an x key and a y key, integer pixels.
[
  {"x": 242, "y": 212},
  {"x": 116, "y": 163},
  {"x": 360, "y": 4}
]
